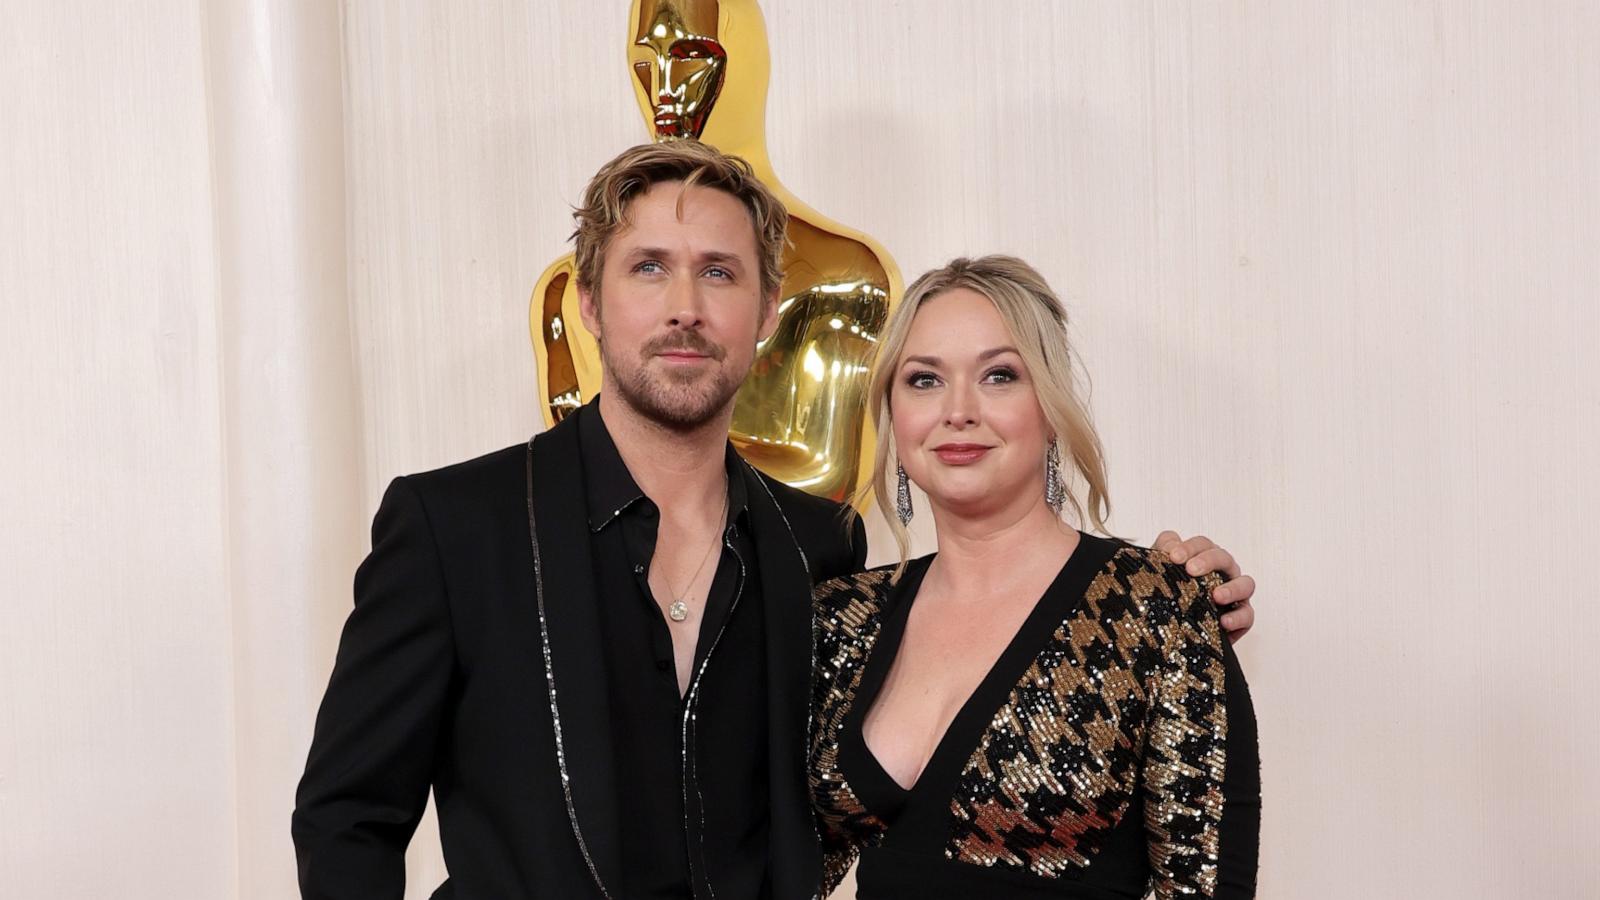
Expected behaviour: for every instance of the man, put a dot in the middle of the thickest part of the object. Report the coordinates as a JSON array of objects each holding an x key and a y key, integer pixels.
[{"x": 595, "y": 648}]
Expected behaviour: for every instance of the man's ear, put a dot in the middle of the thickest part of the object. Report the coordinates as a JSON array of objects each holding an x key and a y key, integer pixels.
[
  {"x": 589, "y": 310},
  {"x": 769, "y": 316}
]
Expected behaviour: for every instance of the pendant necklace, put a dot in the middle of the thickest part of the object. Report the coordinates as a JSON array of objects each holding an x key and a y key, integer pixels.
[{"x": 678, "y": 610}]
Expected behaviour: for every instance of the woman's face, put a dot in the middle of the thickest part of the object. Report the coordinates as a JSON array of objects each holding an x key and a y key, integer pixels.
[{"x": 967, "y": 424}]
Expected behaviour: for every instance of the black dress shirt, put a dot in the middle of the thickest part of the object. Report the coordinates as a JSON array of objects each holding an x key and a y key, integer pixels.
[{"x": 692, "y": 774}]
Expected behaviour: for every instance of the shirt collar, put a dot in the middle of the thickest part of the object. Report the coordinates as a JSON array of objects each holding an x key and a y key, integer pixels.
[{"x": 608, "y": 485}]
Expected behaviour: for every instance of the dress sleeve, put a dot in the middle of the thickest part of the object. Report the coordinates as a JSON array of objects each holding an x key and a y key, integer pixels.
[
  {"x": 840, "y": 847},
  {"x": 1202, "y": 801},
  {"x": 1241, "y": 789}
]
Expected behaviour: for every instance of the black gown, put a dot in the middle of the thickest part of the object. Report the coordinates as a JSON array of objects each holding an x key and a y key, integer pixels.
[{"x": 1110, "y": 752}]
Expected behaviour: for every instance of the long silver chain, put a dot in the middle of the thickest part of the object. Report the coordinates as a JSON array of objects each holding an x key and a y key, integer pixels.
[{"x": 678, "y": 610}]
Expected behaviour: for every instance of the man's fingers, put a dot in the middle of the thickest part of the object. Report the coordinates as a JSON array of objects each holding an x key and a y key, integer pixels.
[
  {"x": 1193, "y": 547},
  {"x": 1238, "y": 621},
  {"x": 1179, "y": 550},
  {"x": 1211, "y": 559},
  {"x": 1199, "y": 555},
  {"x": 1239, "y": 590},
  {"x": 1166, "y": 541}
]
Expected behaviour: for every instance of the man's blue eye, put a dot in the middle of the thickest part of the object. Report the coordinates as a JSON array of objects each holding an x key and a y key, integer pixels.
[
  {"x": 719, "y": 272},
  {"x": 648, "y": 266}
]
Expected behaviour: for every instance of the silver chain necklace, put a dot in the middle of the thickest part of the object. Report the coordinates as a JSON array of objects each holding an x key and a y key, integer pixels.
[{"x": 678, "y": 610}]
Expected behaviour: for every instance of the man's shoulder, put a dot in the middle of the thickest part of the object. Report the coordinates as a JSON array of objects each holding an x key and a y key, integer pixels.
[
  {"x": 794, "y": 501},
  {"x": 832, "y": 541},
  {"x": 493, "y": 484},
  {"x": 495, "y": 474},
  {"x": 811, "y": 517}
]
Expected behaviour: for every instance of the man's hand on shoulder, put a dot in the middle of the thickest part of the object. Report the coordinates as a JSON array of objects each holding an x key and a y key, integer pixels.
[{"x": 1199, "y": 555}]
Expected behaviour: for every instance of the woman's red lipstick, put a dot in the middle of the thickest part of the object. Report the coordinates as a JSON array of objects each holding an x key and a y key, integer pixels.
[{"x": 960, "y": 454}]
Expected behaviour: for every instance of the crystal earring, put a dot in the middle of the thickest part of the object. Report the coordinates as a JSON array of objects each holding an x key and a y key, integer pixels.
[
  {"x": 1055, "y": 489},
  {"x": 902, "y": 495}
]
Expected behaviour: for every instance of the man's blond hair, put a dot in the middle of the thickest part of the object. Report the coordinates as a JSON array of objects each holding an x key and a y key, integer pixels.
[{"x": 604, "y": 210}]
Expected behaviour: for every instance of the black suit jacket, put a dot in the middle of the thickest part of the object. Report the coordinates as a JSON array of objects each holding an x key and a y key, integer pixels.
[{"x": 470, "y": 664}]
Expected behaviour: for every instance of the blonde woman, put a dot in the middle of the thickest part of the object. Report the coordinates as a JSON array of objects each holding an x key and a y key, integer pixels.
[{"x": 1032, "y": 711}]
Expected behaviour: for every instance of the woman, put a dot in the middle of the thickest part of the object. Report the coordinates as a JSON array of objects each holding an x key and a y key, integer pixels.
[{"x": 1032, "y": 711}]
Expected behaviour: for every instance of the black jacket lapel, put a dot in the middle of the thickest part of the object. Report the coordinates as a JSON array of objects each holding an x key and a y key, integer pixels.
[
  {"x": 786, "y": 594},
  {"x": 575, "y": 687}
]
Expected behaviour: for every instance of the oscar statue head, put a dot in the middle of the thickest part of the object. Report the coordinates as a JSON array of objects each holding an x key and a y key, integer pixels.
[
  {"x": 679, "y": 62},
  {"x": 700, "y": 71}
]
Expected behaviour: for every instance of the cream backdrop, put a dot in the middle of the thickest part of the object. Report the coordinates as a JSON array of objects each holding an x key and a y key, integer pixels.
[{"x": 1332, "y": 268}]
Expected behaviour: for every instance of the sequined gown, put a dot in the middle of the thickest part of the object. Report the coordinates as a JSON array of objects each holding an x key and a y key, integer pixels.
[{"x": 1110, "y": 752}]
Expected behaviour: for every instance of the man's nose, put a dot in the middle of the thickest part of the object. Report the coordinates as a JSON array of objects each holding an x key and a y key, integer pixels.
[{"x": 685, "y": 306}]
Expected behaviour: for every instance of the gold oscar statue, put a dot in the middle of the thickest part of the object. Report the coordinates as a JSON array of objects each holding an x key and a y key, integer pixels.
[{"x": 701, "y": 69}]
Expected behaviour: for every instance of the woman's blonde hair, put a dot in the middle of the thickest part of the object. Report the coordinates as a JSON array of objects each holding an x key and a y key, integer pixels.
[{"x": 1038, "y": 322}]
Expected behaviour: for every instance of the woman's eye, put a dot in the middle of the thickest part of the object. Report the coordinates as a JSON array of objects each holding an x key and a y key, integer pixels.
[
  {"x": 922, "y": 380},
  {"x": 1002, "y": 375}
]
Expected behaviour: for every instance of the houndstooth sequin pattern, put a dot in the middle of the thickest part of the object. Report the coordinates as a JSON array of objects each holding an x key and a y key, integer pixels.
[{"x": 1126, "y": 695}]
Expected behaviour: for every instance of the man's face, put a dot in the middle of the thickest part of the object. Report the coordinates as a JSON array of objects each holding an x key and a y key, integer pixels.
[
  {"x": 676, "y": 57},
  {"x": 679, "y": 308}
]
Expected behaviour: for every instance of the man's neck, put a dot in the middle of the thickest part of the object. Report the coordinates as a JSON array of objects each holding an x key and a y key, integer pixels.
[{"x": 675, "y": 468}]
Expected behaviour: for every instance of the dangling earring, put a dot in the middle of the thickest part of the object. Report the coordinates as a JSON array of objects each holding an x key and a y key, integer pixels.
[
  {"x": 1055, "y": 490},
  {"x": 902, "y": 495}
]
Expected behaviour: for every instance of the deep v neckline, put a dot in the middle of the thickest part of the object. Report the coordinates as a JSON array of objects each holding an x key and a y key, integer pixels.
[{"x": 937, "y": 782}]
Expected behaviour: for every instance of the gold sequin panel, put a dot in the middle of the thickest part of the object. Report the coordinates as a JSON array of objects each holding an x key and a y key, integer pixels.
[{"x": 1128, "y": 691}]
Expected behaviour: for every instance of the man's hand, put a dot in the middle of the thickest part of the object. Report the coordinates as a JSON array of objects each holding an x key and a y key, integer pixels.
[{"x": 1199, "y": 556}]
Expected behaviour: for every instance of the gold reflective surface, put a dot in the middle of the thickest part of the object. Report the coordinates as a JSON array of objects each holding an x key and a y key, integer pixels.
[
  {"x": 701, "y": 69},
  {"x": 679, "y": 64}
]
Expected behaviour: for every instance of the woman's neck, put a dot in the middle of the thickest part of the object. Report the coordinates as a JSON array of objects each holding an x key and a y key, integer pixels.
[{"x": 979, "y": 554}]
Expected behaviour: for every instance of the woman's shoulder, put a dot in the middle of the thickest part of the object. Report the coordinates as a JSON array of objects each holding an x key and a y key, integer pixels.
[
  {"x": 852, "y": 600},
  {"x": 1149, "y": 579},
  {"x": 870, "y": 586}
]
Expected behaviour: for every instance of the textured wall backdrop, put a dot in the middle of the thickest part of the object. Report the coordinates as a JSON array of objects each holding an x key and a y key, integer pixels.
[{"x": 1332, "y": 271}]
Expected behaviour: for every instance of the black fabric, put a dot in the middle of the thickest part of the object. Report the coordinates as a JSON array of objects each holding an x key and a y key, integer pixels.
[
  {"x": 444, "y": 677},
  {"x": 905, "y": 875},
  {"x": 664, "y": 805}
]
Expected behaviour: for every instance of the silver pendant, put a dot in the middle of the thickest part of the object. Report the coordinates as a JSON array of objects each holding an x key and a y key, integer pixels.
[{"x": 678, "y": 611}]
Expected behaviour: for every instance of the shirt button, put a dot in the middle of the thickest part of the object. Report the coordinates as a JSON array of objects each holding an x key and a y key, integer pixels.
[{"x": 638, "y": 570}]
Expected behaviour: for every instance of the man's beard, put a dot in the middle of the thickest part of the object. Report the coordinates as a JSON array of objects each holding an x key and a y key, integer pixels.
[{"x": 679, "y": 400}]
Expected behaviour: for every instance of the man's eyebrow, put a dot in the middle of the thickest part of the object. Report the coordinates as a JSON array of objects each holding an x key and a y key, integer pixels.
[
  {"x": 721, "y": 257},
  {"x": 648, "y": 251}
]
